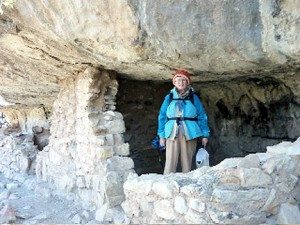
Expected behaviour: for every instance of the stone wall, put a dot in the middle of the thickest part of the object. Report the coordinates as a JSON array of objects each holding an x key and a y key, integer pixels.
[
  {"x": 260, "y": 188},
  {"x": 17, "y": 155},
  {"x": 18, "y": 128},
  {"x": 85, "y": 155}
]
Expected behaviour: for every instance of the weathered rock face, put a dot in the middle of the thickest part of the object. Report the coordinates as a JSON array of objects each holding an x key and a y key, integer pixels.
[
  {"x": 43, "y": 42},
  {"x": 249, "y": 114},
  {"x": 260, "y": 188}
]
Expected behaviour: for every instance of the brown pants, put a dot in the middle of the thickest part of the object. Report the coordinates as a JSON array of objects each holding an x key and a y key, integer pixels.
[{"x": 186, "y": 149}]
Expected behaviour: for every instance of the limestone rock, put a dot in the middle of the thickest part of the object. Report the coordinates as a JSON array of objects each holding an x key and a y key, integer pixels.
[
  {"x": 164, "y": 209},
  {"x": 117, "y": 163},
  {"x": 11, "y": 186},
  {"x": 193, "y": 217},
  {"x": 40, "y": 216},
  {"x": 100, "y": 213},
  {"x": 255, "y": 177},
  {"x": 165, "y": 189},
  {"x": 76, "y": 219},
  {"x": 288, "y": 214},
  {"x": 117, "y": 216},
  {"x": 7, "y": 214},
  {"x": 80, "y": 182},
  {"x": 180, "y": 205},
  {"x": 122, "y": 150},
  {"x": 250, "y": 161},
  {"x": 196, "y": 205},
  {"x": 4, "y": 195},
  {"x": 55, "y": 41}
]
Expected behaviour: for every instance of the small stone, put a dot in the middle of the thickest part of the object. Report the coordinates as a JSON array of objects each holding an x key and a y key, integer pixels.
[
  {"x": 180, "y": 205},
  {"x": 2, "y": 185},
  {"x": 4, "y": 194},
  {"x": 165, "y": 189},
  {"x": 100, "y": 213},
  {"x": 118, "y": 163},
  {"x": 23, "y": 216},
  {"x": 288, "y": 214},
  {"x": 27, "y": 207},
  {"x": 108, "y": 118},
  {"x": 279, "y": 148},
  {"x": 24, "y": 164},
  {"x": 118, "y": 139},
  {"x": 116, "y": 215},
  {"x": 85, "y": 214},
  {"x": 122, "y": 150},
  {"x": 43, "y": 191},
  {"x": 40, "y": 217},
  {"x": 254, "y": 177},
  {"x": 7, "y": 215},
  {"x": 80, "y": 182},
  {"x": 195, "y": 204},
  {"x": 76, "y": 219},
  {"x": 37, "y": 129},
  {"x": 13, "y": 196},
  {"x": 228, "y": 163},
  {"x": 30, "y": 221},
  {"x": 194, "y": 217},
  {"x": 249, "y": 161},
  {"x": 164, "y": 209},
  {"x": 109, "y": 139},
  {"x": 11, "y": 186}
]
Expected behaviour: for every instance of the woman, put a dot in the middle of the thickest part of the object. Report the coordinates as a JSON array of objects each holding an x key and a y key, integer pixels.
[{"x": 181, "y": 121}]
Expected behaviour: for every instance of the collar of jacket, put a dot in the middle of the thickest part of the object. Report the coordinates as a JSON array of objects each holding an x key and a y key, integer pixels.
[{"x": 185, "y": 94}]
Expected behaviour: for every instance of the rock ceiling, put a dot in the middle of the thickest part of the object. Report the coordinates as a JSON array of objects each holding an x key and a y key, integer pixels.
[{"x": 44, "y": 41}]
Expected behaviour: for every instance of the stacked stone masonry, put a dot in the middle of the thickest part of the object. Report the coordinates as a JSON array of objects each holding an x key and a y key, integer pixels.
[
  {"x": 18, "y": 127},
  {"x": 17, "y": 155},
  {"x": 260, "y": 188},
  {"x": 86, "y": 151}
]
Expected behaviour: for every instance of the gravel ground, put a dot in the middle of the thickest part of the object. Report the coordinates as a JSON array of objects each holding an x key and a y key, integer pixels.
[{"x": 31, "y": 202}]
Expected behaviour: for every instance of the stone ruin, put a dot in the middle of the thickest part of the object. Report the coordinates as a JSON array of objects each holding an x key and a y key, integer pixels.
[
  {"x": 18, "y": 127},
  {"x": 86, "y": 154},
  {"x": 245, "y": 58},
  {"x": 87, "y": 159},
  {"x": 257, "y": 189}
]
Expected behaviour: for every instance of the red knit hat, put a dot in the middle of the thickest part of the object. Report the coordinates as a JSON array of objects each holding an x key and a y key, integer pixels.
[{"x": 182, "y": 73}]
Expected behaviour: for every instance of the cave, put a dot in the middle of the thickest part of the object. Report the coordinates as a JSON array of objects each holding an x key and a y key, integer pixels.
[{"x": 245, "y": 116}]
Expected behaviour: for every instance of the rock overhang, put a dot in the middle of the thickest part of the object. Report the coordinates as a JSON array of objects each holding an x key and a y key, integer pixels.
[{"x": 42, "y": 42}]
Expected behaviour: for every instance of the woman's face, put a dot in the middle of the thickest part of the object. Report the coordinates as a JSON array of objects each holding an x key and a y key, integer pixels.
[{"x": 180, "y": 83}]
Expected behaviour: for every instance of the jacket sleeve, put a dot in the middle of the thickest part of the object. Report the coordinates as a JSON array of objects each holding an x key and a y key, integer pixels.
[
  {"x": 162, "y": 117},
  {"x": 202, "y": 117}
]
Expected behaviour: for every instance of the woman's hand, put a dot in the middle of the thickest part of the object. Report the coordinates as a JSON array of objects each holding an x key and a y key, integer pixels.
[
  {"x": 162, "y": 142},
  {"x": 204, "y": 141}
]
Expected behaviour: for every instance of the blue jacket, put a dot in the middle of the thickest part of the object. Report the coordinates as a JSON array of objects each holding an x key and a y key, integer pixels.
[{"x": 195, "y": 129}]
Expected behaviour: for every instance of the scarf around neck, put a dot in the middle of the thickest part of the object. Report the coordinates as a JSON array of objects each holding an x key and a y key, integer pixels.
[{"x": 181, "y": 101}]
